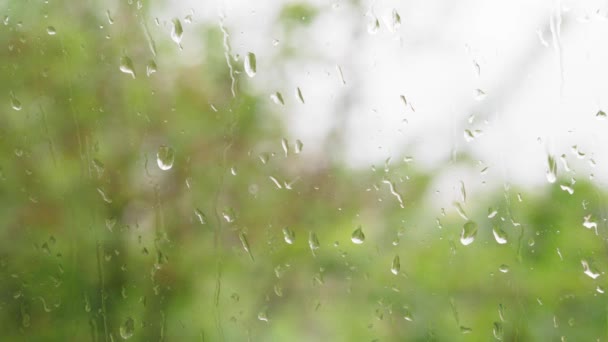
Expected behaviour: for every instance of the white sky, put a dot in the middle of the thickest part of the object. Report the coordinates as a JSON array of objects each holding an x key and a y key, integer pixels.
[{"x": 529, "y": 110}]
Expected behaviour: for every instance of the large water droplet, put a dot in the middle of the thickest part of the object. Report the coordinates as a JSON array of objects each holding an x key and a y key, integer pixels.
[
  {"x": 250, "y": 64},
  {"x": 552, "y": 171},
  {"x": 165, "y": 157},
  {"x": 289, "y": 236},
  {"x": 51, "y": 31},
  {"x": 499, "y": 235},
  {"x": 127, "y": 328},
  {"x": 396, "y": 265},
  {"x": 177, "y": 31},
  {"x": 503, "y": 268},
  {"x": 357, "y": 236},
  {"x": 468, "y": 234},
  {"x": 126, "y": 66}
]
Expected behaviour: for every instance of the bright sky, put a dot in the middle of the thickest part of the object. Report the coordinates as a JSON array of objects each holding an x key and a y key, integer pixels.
[{"x": 541, "y": 67}]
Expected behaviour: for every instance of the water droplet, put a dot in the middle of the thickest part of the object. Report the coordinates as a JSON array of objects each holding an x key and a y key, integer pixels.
[
  {"x": 503, "y": 268},
  {"x": 313, "y": 242},
  {"x": 299, "y": 95},
  {"x": 460, "y": 211},
  {"x": 109, "y": 16},
  {"x": 501, "y": 312},
  {"x": 567, "y": 189},
  {"x": 298, "y": 147},
  {"x": 465, "y": 330},
  {"x": 463, "y": 192},
  {"x": 373, "y": 25},
  {"x": 277, "y": 98},
  {"x": 499, "y": 235},
  {"x": 104, "y": 196},
  {"x": 263, "y": 315},
  {"x": 126, "y": 66},
  {"x": 51, "y": 31},
  {"x": 151, "y": 68},
  {"x": 587, "y": 223},
  {"x": 600, "y": 289},
  {"x": 250, "y": 64},
  {"x": 165, "y": 157},
  {"x": 200, "y": 216},
  {"x": 479, "y": 95},
  {"x": 396, "y": 265},
  {"x": 87, "y": 304},
  {"x": 289, "y": 236},
  {"x": 127, "y": 328},
  {"x": 589, "y": 270},
  {"x": 552, "y": 171},
  {"x": 468, "y": 135},
  {"x": 498, "y": 331},
  {"x": 245, "y": 243},
  {"x": 285, "y": 146},
  {"x": 407, "y": 315},
  {"x": 357, "y": 236},
  {"x": 395, "y": 22},
  {"x": 601, "y": 115},
  {"x": 177, "y": 31},
  {"x": 468, "y": 234},
  {"x": 110, "y": 223},
  {"x": 15, "y": 103},
  {"x": 492, "y": 212},
  {"x": 340, "y": 74}
]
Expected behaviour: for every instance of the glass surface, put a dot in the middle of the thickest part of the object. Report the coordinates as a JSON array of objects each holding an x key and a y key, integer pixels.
[{"x": 303, "y": 170}]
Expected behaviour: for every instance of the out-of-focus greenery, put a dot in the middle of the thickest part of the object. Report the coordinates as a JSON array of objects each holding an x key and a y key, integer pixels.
[{"x": 96, "y": 239}]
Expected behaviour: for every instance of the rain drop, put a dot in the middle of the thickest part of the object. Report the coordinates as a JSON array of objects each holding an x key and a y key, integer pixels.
[
  {"x": 497, "y": 331},
  {"x": 298, "y": 147},
  {"x": 165, "y": 157},
  {"x": 552, "y": 171},
  {"x": 51, "y": 31},
  {"x": 177, "y": 31},
  {"x": 395, "y": 23},
  {"x": 127, "y": 328},
  {"x": 313, "y": 242},
  {"x": 250, "y": 64},
  {"x": 277, "y": 98},
  {"x": 588, "y": 270},
  {"x": 245, "y": 243},
  {"x": 299, "y": 95},
  {"x": 373, "y": 25},
  {"x": 357, "y": 236},
  {"x": 468, "y": 234},
  {"x": 200, "y": 216},
  {"x": 396, "y": 265},
  {"x": 499, "y": 235},
  {"x": 126, "y": 66},
  {"x": 503, "y": 268},
  {"x": 15, "y": 103},
  {"x": 151, "y": 68},
  {"x": 601, "y": 115},
  {"x": 289, "y": 236}
]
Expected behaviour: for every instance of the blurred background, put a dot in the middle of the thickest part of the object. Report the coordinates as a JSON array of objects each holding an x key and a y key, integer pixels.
[{"x": 303, "y": 170}]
